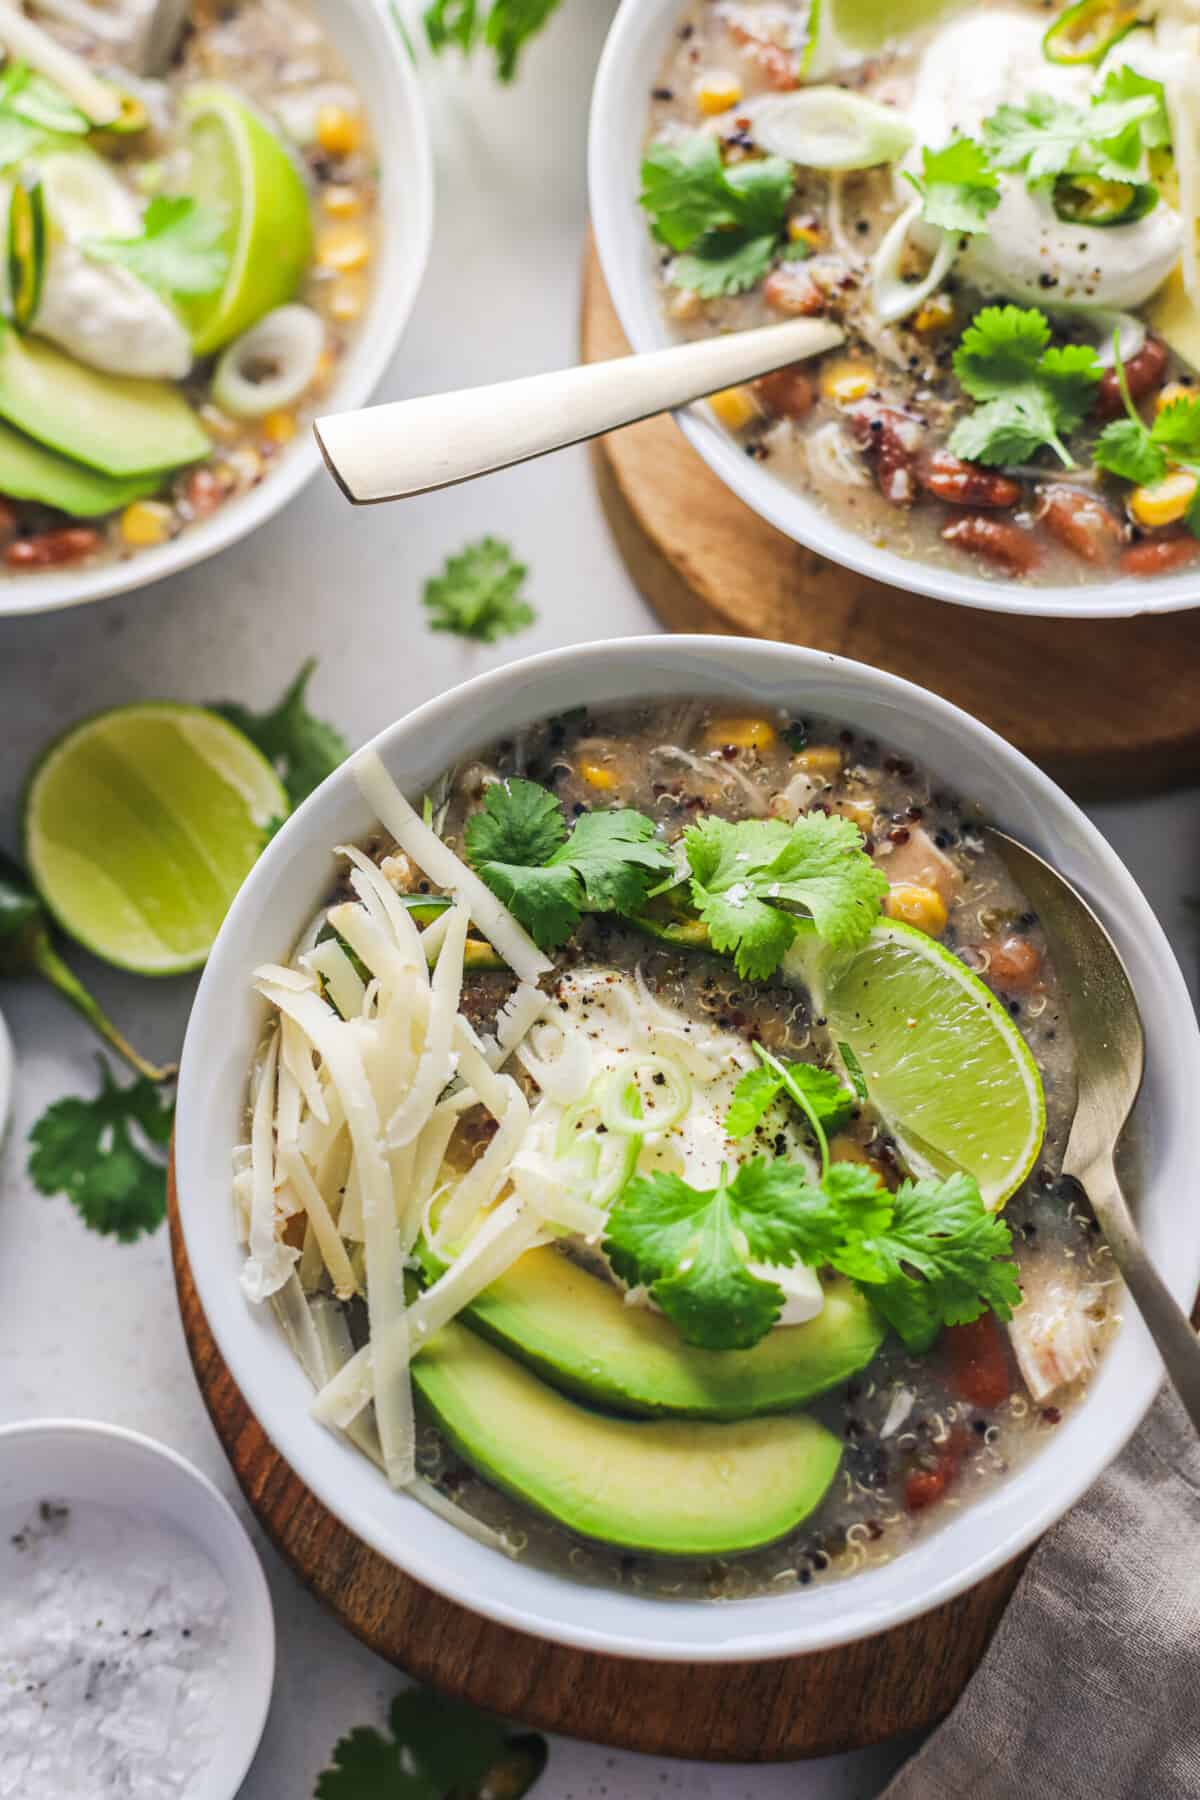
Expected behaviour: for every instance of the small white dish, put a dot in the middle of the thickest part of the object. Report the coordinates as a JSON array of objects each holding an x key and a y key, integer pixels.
[
  {"x": 280, "y": 896},
  {"x": 380, "y": 67},
  {"x": 632, "y": 55},
  {"x": 76, "y": 1460}
]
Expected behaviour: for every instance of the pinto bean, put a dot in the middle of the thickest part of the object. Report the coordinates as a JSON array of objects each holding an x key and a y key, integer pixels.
[
  {"x": 792, "y": 290},
  {"x": 8, "y": 518},
  {"x": 49, "y": 548},
  {"x": 788, "y": 392},
  {"x": 1159, "y": 556},
  {"x": 1080, "y": 521},
  {"x": 977, "y": 1361},
  {"x": 964, "y": 484},
  {"x": 1144, "y": 373},
  {"x": 1013, "y": 964},
  {"x": 892, "y": 442},
  {"x": 998, "y": 541},
  {"x": 925, "y": 1486},
  {"x": 204, "y": 491}
]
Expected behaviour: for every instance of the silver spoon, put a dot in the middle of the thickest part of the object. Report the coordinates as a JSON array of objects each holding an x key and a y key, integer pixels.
[
  {"x": 1110, "y": 1052},
  {"x": 412, "y": 446}
]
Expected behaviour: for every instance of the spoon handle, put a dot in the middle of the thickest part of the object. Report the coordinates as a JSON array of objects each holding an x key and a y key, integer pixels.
[
  {"x": 1166, "y": 1321},
  {"x": 412, "y": 446}
]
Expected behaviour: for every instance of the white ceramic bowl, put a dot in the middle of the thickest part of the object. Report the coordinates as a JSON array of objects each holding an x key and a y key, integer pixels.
[
  {"x": 286, "y": 887},
  {"x": 632, "y": 55},
  {"x": 7, "y": 1067},
  {"x": 75, "y": 1460},
  {"x": 370, "y": 46}
]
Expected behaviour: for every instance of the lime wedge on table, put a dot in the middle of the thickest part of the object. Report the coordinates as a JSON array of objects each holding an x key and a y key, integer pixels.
[
  {"x": 140, "y": 826},
  {"x": 944, "y": 1063},
  {"x": 242, "y": 170}
]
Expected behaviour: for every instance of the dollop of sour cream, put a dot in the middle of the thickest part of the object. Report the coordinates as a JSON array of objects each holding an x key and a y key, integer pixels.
[
  {"x": 619, "y": 1021},
  {"x": 985, "y": 60}
]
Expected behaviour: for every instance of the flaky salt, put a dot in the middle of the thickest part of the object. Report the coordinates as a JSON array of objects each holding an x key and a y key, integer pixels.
[{"x": 114, "y": 1655}]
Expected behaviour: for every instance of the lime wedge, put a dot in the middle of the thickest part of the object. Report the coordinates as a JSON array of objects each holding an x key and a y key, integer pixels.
[
  {"x": 140, "y": 826},
  {"x": 241, "y": 170},
  {"x": 847, "y": 29},
  {"x": 946, "y": 1067}
]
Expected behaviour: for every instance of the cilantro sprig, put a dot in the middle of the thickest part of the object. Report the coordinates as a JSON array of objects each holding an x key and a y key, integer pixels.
[
  {"x": 1048, "y": 137},
  {"x": 180, "y": 250},
  {"x": 548, "y": 878},
  {"x": 825, "y": 1103},
  {"x": 302, "y": 750},
  {"x": 958, "y": 185},
  {"x": 106, "y": 1155},
  {"x": 504, "y": 27},
  {"x": 748, "y": 880},
  {"x": 1144, "y": 453},
  {"x": 479, "y": 593},
  {"x": 1030, "y": 393},
  {"x": 434, "y": 1748},
  {"x": 929, "y": 1255},
  {"x": 724, "y": 223}
]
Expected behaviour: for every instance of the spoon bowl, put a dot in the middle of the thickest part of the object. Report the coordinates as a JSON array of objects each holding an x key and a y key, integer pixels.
[{"x": 1110, "y": 1053}]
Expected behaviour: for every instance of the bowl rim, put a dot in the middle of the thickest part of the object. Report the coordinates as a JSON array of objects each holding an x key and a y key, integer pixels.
[
  {"x": 623, "y": 244},
  {"x": 402, "y": 138},
  {"x": 437, "y": 1553},
  {"x": 253, "y": 1593}
]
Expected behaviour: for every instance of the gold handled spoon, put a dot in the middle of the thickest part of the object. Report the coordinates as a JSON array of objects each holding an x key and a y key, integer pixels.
[{"x": 1110, "y": 1053}]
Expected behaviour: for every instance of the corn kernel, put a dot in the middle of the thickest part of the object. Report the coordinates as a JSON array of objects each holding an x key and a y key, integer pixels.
[
  {"x": 821, "y": 761},
  {"x": 918, "y": 906},
  {"x": 146, "y": 522},
  {"x": 859, "y": 813},
  {"x": 341, "y": 202},
  {"x": 801, "y": 233},
  {"x": 735, "y": 407},
  {"x": 243, "y": 466},
  {"x": 717, "y": 91},
  {"x": 344, "y": 248},
  {"x": 347, "y": 299},
  {"x": 845, "y": 382},
  {"x": 1173, "y": 391},
  {"x": 1166, "y": 501},
  {"x": 596, "y": 775},
  {"x": 279, "y": 427},
  {"x": 936, "y": 314},
  {"x": 743, "y": 733},
  {"x": 339, "y": 132}
]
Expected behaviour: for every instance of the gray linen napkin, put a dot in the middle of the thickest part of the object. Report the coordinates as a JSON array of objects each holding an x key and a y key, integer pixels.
[{"x": 1090, "y": 1689}]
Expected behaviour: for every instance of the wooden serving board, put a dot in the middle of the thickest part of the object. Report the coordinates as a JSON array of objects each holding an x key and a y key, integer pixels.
[
  {"x": 733, "y": 1712},
  {"x": 1106, "y": 706}
]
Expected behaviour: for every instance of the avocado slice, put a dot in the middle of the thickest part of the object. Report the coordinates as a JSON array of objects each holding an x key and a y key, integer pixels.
[
  {"x": 29, "y": 471},
  {"x": 119, "y": 424},
  {"x": 678, "y": 1487},
  {"x": 576, "y": 1330}
]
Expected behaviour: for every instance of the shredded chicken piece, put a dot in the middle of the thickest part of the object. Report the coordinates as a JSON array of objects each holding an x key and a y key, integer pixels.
[{"x": 1053, "y": 1335}]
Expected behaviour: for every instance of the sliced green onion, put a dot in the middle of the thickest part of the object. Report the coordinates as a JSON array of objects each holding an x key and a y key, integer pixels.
[
  {"x": 1087, "y": 31},
  {"x": 829, "y": 128},
  {"x": 1091, "y": 200},
  {"x": 99, "y": 101},
  {"x": 26, "y": 248},
  {"x": 854, "y": 1070},
  {"x": 893, "y": 297},
  {"x": 622, "y": 1107}
]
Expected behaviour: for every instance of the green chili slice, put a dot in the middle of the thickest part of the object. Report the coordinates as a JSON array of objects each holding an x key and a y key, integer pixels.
[
  {"x": 26, "y": 249},
  {"x": 1087, "y": 31},
  {"x": 1091, "y": 200}
]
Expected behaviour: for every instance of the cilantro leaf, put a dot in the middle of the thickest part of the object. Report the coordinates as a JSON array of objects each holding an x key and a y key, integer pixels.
[
  {"x": 683, "y": 1244},
  {"x": 743, "y": 875},
  {"x": 759, "y": 1089},
  {"x": 724, "y": 222},
  {"x": 478, "y": 594},
  {"x": 519, "y": 844},
  {"x": 1125, "y": 448},
  {"x": 1030, "y": 393},
  {"x": 180, "y": 250},
  {"x": 92, "y": 1151},
  {"x": 437, "y": 1748},
  {"x": 1048, "y": 137},
  {"x": 958, "y": 185},
  {"x": 302, "y": 750},
  {"x": 941, "y": 1231},
  {"x": 504, "y": 26},
  {"x": 1154, "y": 126},
  {"x": 1177, "y": 429}
]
